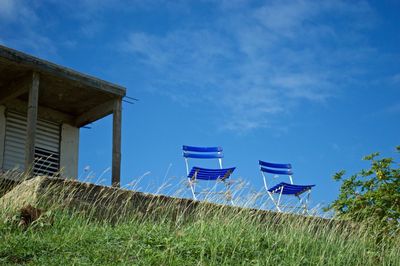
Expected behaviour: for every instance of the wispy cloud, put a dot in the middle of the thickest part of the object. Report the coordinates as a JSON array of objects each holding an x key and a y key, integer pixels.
[
  {"x": 393, "y": 109},
  {"x": 396, "y": 78},
  {"x": 7, "y": 9},
  {"x": 33, "y": 26},
  {"x": 21, "y": 16},
  {"x": 250, "y": 61},
  {"x": 259, "y": 62},
  {"x": 16, "y": 10}
]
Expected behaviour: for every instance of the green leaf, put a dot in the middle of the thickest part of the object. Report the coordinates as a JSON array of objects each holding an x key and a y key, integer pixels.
[{"x": 372, "y": 195}]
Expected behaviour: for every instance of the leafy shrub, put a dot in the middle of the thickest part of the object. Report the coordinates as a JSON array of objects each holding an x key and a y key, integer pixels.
[{"x": 372, "y": 195}]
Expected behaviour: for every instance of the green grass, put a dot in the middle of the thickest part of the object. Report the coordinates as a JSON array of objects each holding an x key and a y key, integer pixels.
[
  {"x": 165, "y": 236},
  {"x": 64, "y": 238}
]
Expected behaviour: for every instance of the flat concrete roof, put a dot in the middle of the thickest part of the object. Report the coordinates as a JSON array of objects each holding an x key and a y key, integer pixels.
[{"x": 77, "y": 97}]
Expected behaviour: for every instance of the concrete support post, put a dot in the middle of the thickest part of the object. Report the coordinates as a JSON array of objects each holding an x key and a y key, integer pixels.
[
  {"x": 116, "y": 144},
  {"x": 32, "y": 120},
  {"x": 69, "y": 151}
]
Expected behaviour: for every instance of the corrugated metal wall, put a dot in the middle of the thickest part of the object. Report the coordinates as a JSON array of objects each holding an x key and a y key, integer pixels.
[
  {"x": 14, "y": 145},
  {"x": 47, "y": 147}
]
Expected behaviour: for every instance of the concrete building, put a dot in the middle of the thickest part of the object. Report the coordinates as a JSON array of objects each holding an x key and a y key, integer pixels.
[{"x": 42, "y": 107}]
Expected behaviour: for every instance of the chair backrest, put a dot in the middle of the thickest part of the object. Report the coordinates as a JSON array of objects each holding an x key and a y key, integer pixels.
[
  {"x": 202, "y": 153},
  {"x": 276, "y": 168}
]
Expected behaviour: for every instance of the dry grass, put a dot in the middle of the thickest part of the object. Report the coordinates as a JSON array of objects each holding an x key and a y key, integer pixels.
[{"x": 88, "y": 224}]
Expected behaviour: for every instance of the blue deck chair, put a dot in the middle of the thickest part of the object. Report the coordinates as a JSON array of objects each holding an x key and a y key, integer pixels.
[
  {"x": 199, "y": 173},
  {"x": 285, "y": 188}
]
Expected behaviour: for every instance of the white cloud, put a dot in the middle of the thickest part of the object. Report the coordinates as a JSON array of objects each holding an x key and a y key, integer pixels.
[
  {"x": 20, "y": 27},
  {"x": 393, "y": 109},
  {"x": 260, "y": 63},
  {"x": 7, "y": 9},
  {"x": 285, "y": 17},
  {"x": 148, "y": 47},
  {"x": 252, "y": 61},
  {"x": 17, "y": 11},
  {"x": 35, "y": 43},
  {"x": 396, "y": 78},
  {"x": 304, "y": 86}
]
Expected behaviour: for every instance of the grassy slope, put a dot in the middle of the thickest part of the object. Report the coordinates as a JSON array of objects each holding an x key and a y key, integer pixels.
[
  {"x": 218, "y": 237},
  {"x": 219, "y": 240}
]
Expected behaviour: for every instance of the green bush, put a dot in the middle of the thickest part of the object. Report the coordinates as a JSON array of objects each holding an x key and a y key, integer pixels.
[{"x": 371, "y": 196}]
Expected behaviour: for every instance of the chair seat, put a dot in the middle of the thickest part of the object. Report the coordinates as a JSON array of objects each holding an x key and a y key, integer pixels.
[
  {"x": 210, "y": 174},
  {"x": 290, "y": 189}
]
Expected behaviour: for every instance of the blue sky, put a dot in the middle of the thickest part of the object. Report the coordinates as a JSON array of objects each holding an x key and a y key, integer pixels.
[{"x": 313, "y": 83}]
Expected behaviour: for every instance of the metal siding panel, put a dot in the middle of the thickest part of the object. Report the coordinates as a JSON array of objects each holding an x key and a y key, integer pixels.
[
  {"x": 47, "y": 138},
  {"x": 14, "y": 147},
  {"x": 47, "y": 144},
  {"x": 47, "y": 148}
]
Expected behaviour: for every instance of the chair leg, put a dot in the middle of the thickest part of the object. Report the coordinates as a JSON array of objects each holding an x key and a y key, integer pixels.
[
  {"x": 270, "y": 194},
  {"x": 279, "y": 200},
  {"x": 193, "y": 185},
  {"x": 302, "y": 205},
  {"x": 303, "y": 202},
  {"x": 275, "y": 203},
  {"x": 307, "y": 200},
  {"x": 192, "y": 188}
]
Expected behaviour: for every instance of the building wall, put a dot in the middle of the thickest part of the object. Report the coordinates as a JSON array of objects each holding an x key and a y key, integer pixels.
[
  {"x": 2, "y": 133},
  {"x": 69, "y": 146},
  {"x": 69, "y": 149}
]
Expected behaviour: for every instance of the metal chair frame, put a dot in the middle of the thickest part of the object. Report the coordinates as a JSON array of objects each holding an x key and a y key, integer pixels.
[
  {"x": 198, "y": 173},
  {"x": 285, "y": 188}
]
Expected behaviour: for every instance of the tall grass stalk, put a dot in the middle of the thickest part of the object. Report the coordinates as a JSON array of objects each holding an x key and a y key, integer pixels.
[{"x": 115, "y": 228}]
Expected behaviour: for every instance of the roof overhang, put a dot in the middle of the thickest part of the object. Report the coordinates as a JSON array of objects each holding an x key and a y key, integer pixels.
[{"x": 65, "y": 95}]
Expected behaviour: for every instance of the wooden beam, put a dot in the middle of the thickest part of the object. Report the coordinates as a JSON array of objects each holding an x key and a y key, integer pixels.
[
  {"x": 44, "y": 113},
  {"x": 94, "y": 114},
  {"x": 32, "y": 120},
  {"x": 116, "y": 149},
  {"x": 44, "y": 66},
  {"x": 15, "y": 89}
]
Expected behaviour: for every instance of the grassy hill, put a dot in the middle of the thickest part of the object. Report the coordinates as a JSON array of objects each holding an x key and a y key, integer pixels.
[{"x": 224, "y": 236}]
